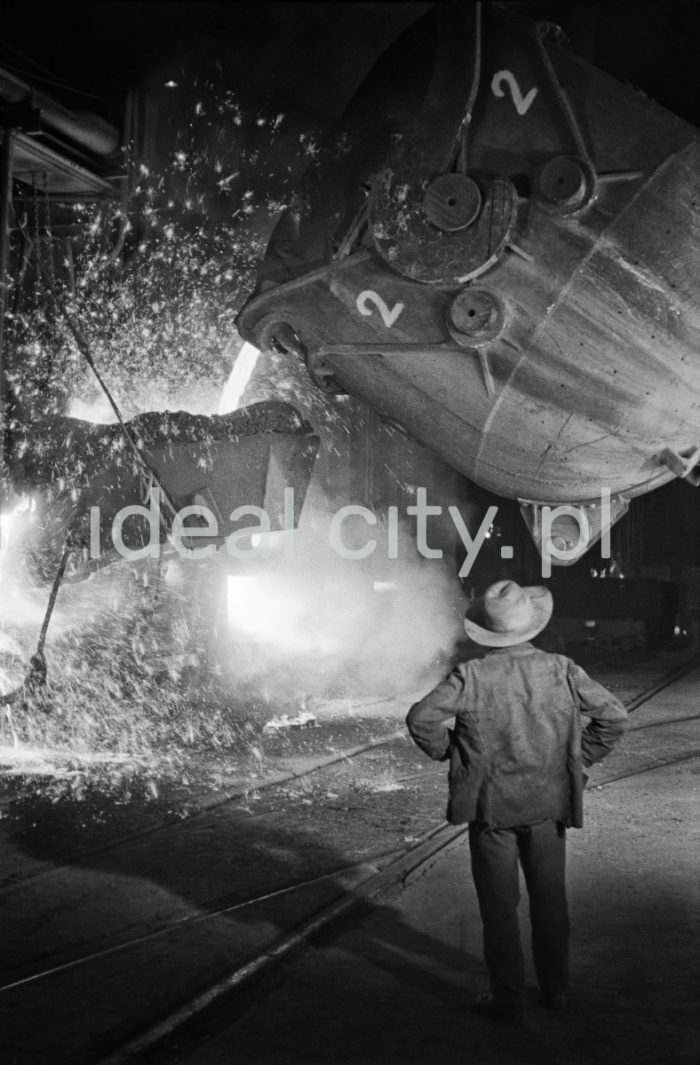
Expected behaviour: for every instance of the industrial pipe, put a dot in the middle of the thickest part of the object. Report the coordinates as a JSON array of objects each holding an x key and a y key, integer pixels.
[{"x": 86, "y": 129}]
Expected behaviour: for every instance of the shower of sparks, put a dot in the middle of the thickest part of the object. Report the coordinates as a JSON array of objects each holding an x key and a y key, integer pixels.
[
  {"x": 132, "y": 656},
  {"x": 152, "y": 664},
  {"x": 127, "y": 666},
  {"x": 155, "y": 287}
]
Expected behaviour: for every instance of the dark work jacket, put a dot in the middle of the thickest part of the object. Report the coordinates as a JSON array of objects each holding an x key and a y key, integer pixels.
[{"x": 517, "y": 746}]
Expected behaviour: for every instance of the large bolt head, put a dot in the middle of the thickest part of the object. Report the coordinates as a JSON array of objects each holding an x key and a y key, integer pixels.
[
  {"x": 475, "y": 316},
  {"x": 452, "y": 202},
  {"x": 563, "y": 182}
]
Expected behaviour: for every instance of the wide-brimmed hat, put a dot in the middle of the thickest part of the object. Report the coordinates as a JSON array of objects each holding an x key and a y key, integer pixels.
[{"x": 507, "y": 614}]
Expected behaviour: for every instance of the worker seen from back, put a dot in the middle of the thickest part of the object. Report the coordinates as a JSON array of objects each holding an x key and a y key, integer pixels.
[{"x": 510, "y": 723}]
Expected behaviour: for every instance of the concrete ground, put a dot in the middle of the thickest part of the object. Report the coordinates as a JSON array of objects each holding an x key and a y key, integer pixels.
[
  {"x": 395, "y": 987},
  {"x": 118, "y": 911}
]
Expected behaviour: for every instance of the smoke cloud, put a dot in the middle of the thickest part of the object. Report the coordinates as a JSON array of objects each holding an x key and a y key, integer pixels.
[{"x": 321, "y": 625}]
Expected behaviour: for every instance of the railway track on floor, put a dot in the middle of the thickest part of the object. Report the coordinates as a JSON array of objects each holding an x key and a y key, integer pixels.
[
  {"x": 281, "y": 780},
  {"x": 366, "y": 878},
  {"x": 397, "y": 873},
  {"x": 205, "y": 810},
  {"x": 375, "y": 864}
]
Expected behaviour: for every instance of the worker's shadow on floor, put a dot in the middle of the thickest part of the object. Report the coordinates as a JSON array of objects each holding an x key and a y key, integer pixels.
[
  {"x": 392, "y": 988},
  {"x": 232, "y": 861}
]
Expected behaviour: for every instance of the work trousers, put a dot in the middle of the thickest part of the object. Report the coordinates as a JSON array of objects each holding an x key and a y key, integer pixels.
[{"x": 541, "y": 850}]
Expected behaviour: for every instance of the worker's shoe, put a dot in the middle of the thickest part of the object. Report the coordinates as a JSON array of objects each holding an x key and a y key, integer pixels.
[{"x": 494, "y": 1009}]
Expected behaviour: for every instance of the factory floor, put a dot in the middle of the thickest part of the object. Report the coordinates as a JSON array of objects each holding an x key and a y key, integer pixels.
[
  {"x": 395, "y": 987},
  {"x": 118, "y": 914}
]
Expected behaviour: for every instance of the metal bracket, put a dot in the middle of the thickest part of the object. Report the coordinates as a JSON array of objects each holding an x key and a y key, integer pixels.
[
  {"x": 683, "y": 463},
  {"x": 572, "y": 528}
]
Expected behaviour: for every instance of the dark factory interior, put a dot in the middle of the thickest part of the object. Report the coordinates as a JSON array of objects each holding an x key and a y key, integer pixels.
[{"x": 322, "y": 325}]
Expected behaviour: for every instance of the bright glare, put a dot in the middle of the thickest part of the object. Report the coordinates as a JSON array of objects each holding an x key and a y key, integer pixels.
[
  {"x": 9, "y": 519},
  {"x": 99, "y": 412},
  {"x": 259, "y": 607},
  {"x": 275, "y": 540},
  {"x": 240, "y": 376},
  {"x": 11, "y": 664},
  {"x": 275, "y": 613}
]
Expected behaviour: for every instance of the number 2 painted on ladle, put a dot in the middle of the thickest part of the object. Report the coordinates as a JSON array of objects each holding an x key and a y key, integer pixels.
[
  {"x": 522, "y": 103},
  {"x": 389, "y": 315}
]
